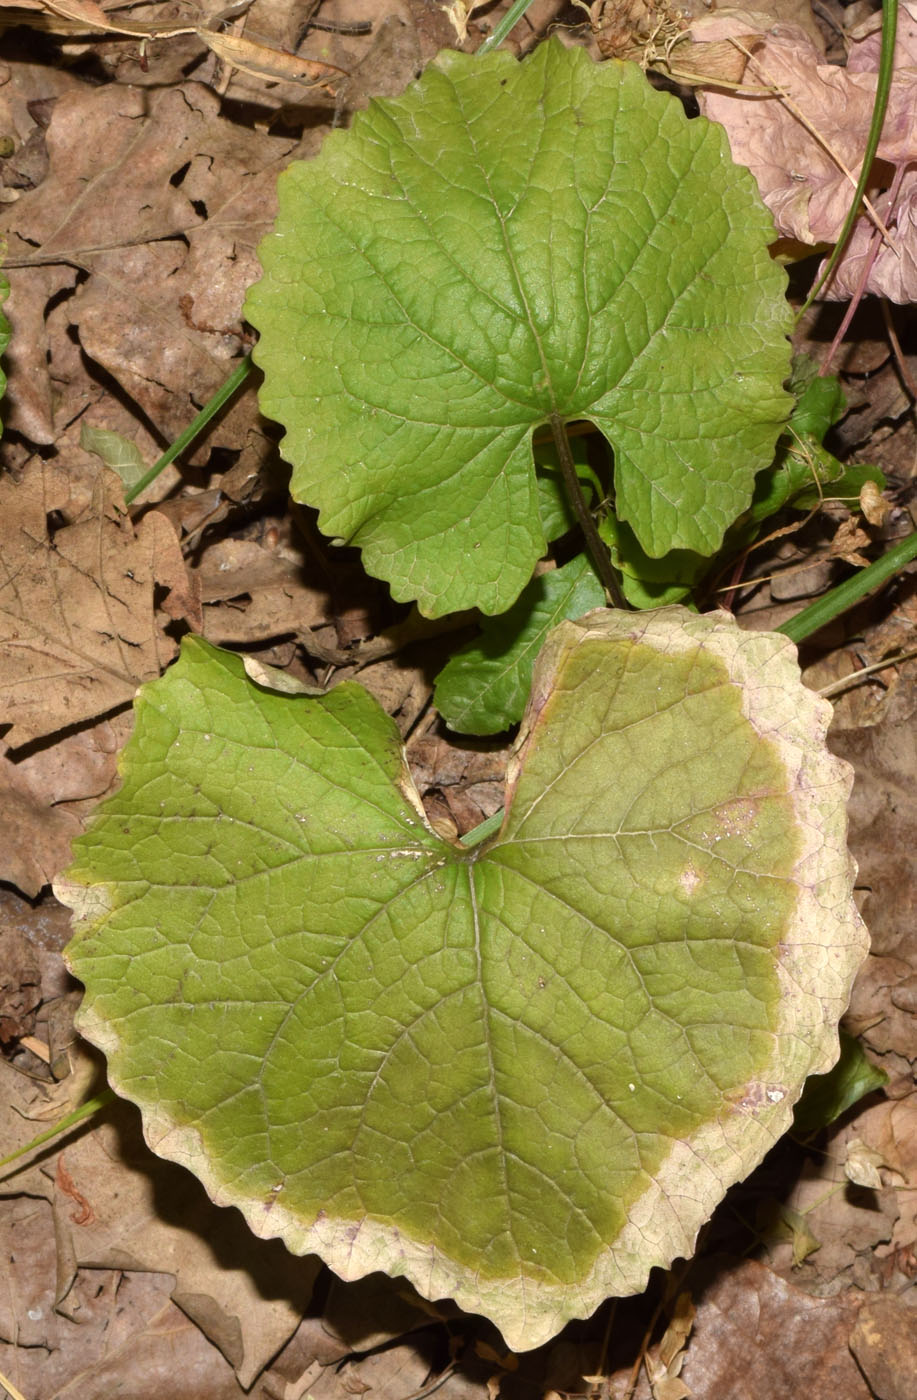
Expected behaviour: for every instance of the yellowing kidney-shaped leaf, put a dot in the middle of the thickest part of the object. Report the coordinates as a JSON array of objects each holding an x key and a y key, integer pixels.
[
  {"x": 502, "y": 245},
  {"x": 523, "y": 1073}
]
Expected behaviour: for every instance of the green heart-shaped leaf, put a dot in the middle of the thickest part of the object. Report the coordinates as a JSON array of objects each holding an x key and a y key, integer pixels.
[
  {"x": 522, "y": 1073},
  {"x": 506, "y": 244}
]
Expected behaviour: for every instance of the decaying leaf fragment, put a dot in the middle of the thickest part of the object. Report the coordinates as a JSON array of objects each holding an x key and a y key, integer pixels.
[
  {"x": 804, "y": 143},
  {"x": 520, "y": 1073},
  {"x": 261, "y": 60},
  {"x": 78, "y": 628}
]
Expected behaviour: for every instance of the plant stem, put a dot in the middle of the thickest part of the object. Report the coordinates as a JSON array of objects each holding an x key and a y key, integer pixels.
[
  {"x": 594, "y": 541},
  {"x": 883, "y": 88}
]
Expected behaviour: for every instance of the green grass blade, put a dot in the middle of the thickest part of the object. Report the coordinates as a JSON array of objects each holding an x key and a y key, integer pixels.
[
  {"x": 70, "y": 1120},
  {"x": 848, "y": 593},
  {"x": 508, "y": 22},
  {"x": 194, "y": 429}
]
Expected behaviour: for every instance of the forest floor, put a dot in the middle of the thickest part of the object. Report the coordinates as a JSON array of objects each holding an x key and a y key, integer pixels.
[{"x": 135, "y": 184}]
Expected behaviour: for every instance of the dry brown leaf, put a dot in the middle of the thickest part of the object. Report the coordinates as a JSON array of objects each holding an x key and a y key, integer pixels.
[
  {"x": 893, "y": 274},
  {"x": 262, "y": 61},
  {"x": 116, "y": 1334},
  {"x": 271, "y": 593},
  {"x": 48, "y": 794},
  {"x": 890, "y": 1130},
  {"x": 848, "y": 540},
  {"x": 84, "y": 12},
  {"x": 799, "y": 181},
  {"x": 664, "y": 1366},
  {"x": 757, "y": 1338},
  {"x": 661, "y": 35},
  {"x": 86, "y": 204},
  {"x": 461, "y": 785},
  {"x": 875, "y": 1012},
  {"x": 458, "y": 13},
  {"x": 34, "y": 839},
  {"x": 29, "y": 406},
  {"x": 247, "y": 1295},
  {"x": 822, "y": 1208},
  {"x": 884, "y": 1342},
  {"x": 402, "y": 689},
  {"x": 883, "y": 832},
  {"x": 163, "y": 202},
  {"x": 875, "y": 507},
  {"x": 861, "y": 1165},
  {"x": 805, "y": 146},
  {"x": 78, "y": 630},
  {"x": 20, "y": 985}
]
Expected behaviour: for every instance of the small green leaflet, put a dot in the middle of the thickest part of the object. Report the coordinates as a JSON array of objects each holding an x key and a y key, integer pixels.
[
  {"x": 504, "y": 244},
  {"x": 484, "y": 687}
]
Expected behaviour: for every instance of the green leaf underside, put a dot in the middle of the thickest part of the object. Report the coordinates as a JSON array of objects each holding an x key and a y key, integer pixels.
[
  {"x": 647, "y": 582},
  {"x": 484, "y": 687},
  {"x": 521, "y": 1074},
  {"x": 504, "y": 242},
  {"x": 116, "y": 451}
]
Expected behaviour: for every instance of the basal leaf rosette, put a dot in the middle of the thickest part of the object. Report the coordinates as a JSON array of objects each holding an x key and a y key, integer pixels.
[
  {"x": 520, "y": 1073},
  {"x": 505, "y": 244}
]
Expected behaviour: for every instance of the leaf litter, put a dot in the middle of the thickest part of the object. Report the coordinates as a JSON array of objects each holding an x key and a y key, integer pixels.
[{"x": 128, "y": 276}]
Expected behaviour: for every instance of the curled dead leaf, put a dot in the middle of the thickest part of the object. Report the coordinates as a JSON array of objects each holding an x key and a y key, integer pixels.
[
  {"x": 259, "y": 60},
  {"x": 873, "y": 504},
  {"x": 861, "y": 1165},
  {"x": 848, "y": 540},
  {"x": 262, "y": 61}
]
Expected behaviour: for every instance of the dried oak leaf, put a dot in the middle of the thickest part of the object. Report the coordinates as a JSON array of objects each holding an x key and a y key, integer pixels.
[
  {"x": 20, "y": 985},
  {"x": 890, "y": 1128},
  {"x": 883, "y": 831},
  {"x": 47, "y": 794},
  {"x": 757, "y": 1338},
  {"x": 34, "y": 839},
  {"x": 78, "y": 627},
  {"x": 801, "y": 175},
  {"x": 273, "y": 597},
  {"x": 162, "y": 201},
  {"x": 884, "y": 1342}
]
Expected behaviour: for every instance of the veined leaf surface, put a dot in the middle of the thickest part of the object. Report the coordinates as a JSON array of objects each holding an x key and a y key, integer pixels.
[
  {"x": 521, "y": 1074},
  {"x": 505, "y": 243}
]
